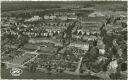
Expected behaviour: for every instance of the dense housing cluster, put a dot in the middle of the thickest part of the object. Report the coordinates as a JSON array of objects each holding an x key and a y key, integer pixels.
[{"x": 65, "y": 42}]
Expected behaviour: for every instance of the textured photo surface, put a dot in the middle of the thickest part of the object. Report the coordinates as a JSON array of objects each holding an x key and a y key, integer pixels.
[{"x": 64, "y": 40}]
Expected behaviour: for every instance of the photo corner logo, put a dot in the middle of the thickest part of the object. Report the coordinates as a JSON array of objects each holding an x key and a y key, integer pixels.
[{"x": 16, "y": 71}]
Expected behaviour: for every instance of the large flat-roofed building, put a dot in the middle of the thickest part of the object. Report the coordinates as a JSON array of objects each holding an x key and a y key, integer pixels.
[
  {"x": 34, "y": 18},
  {"x": 96, "y": 14},
  {"x": 80, "y": 45}
]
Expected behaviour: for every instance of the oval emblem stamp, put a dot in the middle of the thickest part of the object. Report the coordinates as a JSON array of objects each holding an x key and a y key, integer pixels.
[{"x": 16, "y": 71}]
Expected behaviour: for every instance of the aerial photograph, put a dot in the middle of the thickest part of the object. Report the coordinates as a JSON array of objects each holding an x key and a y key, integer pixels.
[{"x": 64, "y": 40}]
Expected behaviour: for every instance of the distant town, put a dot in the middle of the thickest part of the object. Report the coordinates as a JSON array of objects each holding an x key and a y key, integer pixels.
[{"x": 73, "y": 40}]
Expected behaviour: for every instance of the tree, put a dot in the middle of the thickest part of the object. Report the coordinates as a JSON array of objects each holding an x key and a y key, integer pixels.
[
  {"x": 80, "y": 33},
  {"x": 124, "y": 25},
  {"x": 75, "y": 32},
  {"x": 103, "y": 32},
  {"x": 94, "y": 43},
  {"x": 90, "y": 59},
  {"x": 23, "y": 39},
  {"x": 108, "y": 20},
  {"x": 32, "y": 67}
]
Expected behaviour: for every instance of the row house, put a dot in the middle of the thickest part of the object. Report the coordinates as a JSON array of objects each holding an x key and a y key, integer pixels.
[
  {"x": 89, "y": 38},
  {"x": 5, "y": 24},
  {"x": 56, "y": 23},
  {"x": 88, "y": 32},
  {"x": 46, "y": 16},
  {"x": 55, "y": 17},
  {"x": 59, "y": 13},
  {"x": 64, "y": 18},
  {"x": 50, "y": 17},
  {"x": 92, "y": 19},
  {"x": 49, "y": 32},
  {"x": 61, "y": 17},
  {"x": 39, "y": 40},
  {"x": 72, "y": 17},
  {"x": 85, "y": 36}
]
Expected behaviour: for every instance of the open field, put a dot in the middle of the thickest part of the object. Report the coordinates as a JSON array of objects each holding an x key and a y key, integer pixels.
[{"x": 110, "y": 5}]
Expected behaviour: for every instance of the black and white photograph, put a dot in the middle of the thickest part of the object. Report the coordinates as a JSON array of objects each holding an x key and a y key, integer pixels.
[{"x": 70, "y": 40}]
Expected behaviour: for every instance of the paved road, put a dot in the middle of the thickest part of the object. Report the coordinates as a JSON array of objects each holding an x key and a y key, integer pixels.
[{"x": 79, "y": 64}]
